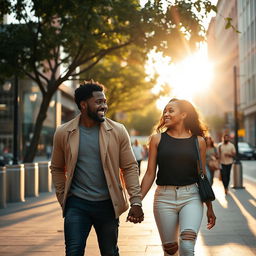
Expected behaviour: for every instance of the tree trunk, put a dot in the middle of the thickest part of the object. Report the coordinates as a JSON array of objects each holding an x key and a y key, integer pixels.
[{"x": 32, "y": 149}]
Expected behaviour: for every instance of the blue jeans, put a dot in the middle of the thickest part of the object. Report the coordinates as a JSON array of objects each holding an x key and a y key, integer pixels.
[{"x": 80, "y": 216}]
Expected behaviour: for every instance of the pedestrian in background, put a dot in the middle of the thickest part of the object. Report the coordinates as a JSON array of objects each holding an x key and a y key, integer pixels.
[
  {"x": 145, "y": 152},
  {"x": 178, "y": 209},
  {"x": 48, "y": 151},
  {"x": 88, "y": 153},
  {"x": 212, "y": 162},
  {"x": 138, "y": 152},
  {"x": 227, "y": 152}
]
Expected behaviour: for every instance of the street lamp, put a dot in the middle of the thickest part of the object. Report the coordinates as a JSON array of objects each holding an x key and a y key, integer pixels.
[
  {"x": 15, "y": 119},
  {"x": 237, "y": 165}
]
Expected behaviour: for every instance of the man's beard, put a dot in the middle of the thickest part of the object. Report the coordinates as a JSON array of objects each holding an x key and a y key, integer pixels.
[{"x": 94, "y": 115}]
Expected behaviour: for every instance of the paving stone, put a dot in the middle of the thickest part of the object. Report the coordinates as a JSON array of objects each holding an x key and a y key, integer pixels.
[{"x": 35, "y": 228}]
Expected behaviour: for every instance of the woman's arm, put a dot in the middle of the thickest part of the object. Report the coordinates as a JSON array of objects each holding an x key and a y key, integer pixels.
[
  {"x": 150, "y": 174},
  {"x": 211, "y": 218}
]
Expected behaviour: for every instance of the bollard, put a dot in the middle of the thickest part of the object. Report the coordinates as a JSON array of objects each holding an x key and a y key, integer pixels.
[
  {"x": 237, "y": 175},
  {"x": 45, "y": 177},
  {"x": 31, "y": 179},
  {"x": 15, "y": 183},
  {"x": 2, "y": 187}
]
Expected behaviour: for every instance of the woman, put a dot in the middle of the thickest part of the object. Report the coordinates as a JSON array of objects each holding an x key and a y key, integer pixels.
[
  {"x": 212, "y": 164},
  {"x": 177, "y": 202}
]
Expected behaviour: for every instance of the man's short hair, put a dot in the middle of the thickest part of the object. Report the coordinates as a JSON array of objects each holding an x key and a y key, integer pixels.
[{"x": 85, "y": 90}]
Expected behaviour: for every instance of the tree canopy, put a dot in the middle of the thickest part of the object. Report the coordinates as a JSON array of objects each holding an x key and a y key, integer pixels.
[{"x": 78, "y": 34}]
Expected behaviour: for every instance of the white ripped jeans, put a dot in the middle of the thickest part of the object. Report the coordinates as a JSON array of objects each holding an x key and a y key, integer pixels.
[{"x": 178, "y": 209}]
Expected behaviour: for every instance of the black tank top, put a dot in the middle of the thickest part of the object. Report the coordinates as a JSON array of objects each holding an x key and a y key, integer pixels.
[{"x": 177, "y": 161}]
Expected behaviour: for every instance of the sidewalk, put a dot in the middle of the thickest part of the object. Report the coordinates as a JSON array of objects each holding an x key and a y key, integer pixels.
[{"x": 35, "y": 228}]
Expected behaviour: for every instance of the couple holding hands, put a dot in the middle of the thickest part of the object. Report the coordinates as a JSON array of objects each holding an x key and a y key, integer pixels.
[{"x": 93, "y": 163}]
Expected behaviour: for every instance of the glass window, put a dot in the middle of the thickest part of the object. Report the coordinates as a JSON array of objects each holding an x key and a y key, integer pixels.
[
  {"x": 248, "y": 14},
  {"x": 6, "y": 117},
  {"x": 247, "y": 93},
  {"x": 251, "y": 10},
  {"x": 254, "y": 88}
]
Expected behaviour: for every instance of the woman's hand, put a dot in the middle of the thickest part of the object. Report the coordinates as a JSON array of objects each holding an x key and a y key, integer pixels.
[{"x": 211, "y": 218}]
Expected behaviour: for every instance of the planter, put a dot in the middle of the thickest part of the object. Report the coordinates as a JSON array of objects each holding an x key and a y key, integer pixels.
[
  {"x": 15, "y": 183},
  {"x": 45, "y": 177},
  {"x": 2, "y": 187},
  {"x": 31, "y": 179}
]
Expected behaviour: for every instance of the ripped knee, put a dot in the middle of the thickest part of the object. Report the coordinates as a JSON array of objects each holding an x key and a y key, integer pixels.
[
  {"x": 188, "y": 234},
  {"x": 171, "y": 248}
]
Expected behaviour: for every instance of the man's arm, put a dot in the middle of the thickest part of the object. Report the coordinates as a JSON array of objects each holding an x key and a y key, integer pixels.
[
  {"x": 58, "y": 166},
  {"x": 130, "y": 169},
  {"x": 130, "y": 172}
]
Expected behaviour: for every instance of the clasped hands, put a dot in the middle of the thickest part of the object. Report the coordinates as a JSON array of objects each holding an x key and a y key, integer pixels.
[{"x": 135, "y": 214}]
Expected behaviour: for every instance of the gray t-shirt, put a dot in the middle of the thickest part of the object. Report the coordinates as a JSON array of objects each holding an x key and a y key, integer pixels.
[{"x": 89, "y": 181}]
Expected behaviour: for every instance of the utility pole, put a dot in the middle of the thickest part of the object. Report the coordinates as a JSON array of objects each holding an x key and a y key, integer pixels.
[
  {"x": 237, "y": 165},
  {"x": 236, "y": 112}
]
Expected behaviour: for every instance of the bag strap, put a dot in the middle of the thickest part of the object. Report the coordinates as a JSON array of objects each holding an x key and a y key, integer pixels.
[{"x": 199, "y": 155}]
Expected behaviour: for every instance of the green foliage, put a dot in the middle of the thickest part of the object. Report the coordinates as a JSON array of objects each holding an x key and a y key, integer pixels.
[
  {"x": 124, "y": 77},
  {"x": 230, "y": 25},
  {"x": 48, "y": 35},
  {"x": 88, "y": 30},
  {"x": 143, "y": 121}
]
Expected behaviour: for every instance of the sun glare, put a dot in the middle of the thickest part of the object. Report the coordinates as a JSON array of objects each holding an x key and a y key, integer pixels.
[{"x": 187, "y": 79}]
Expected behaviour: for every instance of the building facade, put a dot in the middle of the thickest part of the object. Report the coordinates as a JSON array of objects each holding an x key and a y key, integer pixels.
[
  {"x": 247, "y": 54},
  {"x": 61, "y": 109},
  {"x": 223, "y": 51}
]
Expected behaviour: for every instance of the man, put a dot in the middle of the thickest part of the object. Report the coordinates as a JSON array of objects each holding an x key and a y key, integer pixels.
[
  {"x": 88, "y": 153},
  {"x": 227, "y": 153}
]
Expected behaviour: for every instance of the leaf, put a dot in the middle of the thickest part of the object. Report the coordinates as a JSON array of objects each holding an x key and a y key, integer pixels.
[
  {"x": 214, "y": 8},
  {"x": 228, "y": 23}
]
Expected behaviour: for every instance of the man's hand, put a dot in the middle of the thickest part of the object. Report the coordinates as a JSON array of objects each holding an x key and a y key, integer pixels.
[{"x": 135, "y": 214}]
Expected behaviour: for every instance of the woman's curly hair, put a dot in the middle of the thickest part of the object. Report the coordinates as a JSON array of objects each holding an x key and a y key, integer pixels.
[{"x": 192, "y": 122}]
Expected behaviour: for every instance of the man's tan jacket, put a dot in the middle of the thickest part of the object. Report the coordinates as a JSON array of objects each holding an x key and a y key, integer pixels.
[{"x": 116, "y": 155}]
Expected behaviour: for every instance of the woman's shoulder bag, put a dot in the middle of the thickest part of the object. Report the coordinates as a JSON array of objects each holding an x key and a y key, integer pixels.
[{"x": 205, "y": 189}]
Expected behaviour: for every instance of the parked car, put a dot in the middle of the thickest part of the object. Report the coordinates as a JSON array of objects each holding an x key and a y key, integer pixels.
[
  {"x": 245, "y": 150},
  {"x": 6, "y": 159},
  {"x": 254, "y": 152}
]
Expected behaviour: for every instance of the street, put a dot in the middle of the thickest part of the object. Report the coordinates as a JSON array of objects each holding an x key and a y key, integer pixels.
[
  {"x": 249, "y": 169},
  {"x": 35, "y": 227}
]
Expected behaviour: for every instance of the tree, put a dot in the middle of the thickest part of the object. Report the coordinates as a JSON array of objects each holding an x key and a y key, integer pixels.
[
  {"x": 76, "y": 34},
  {"x": 125, "y": 79},
  {"x": 144, "y": 121}
]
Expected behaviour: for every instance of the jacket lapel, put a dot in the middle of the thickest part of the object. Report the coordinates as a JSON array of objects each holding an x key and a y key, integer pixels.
[{"x": 104, "y": 137}]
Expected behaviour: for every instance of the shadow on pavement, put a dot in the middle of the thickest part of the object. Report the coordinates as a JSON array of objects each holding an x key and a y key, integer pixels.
[
  {"x": 235, "y": 221},
  {"x": 24, "y": 208}
]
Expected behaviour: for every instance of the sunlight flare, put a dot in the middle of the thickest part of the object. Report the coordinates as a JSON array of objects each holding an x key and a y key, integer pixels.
[{"x": 187, "y": 79}]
